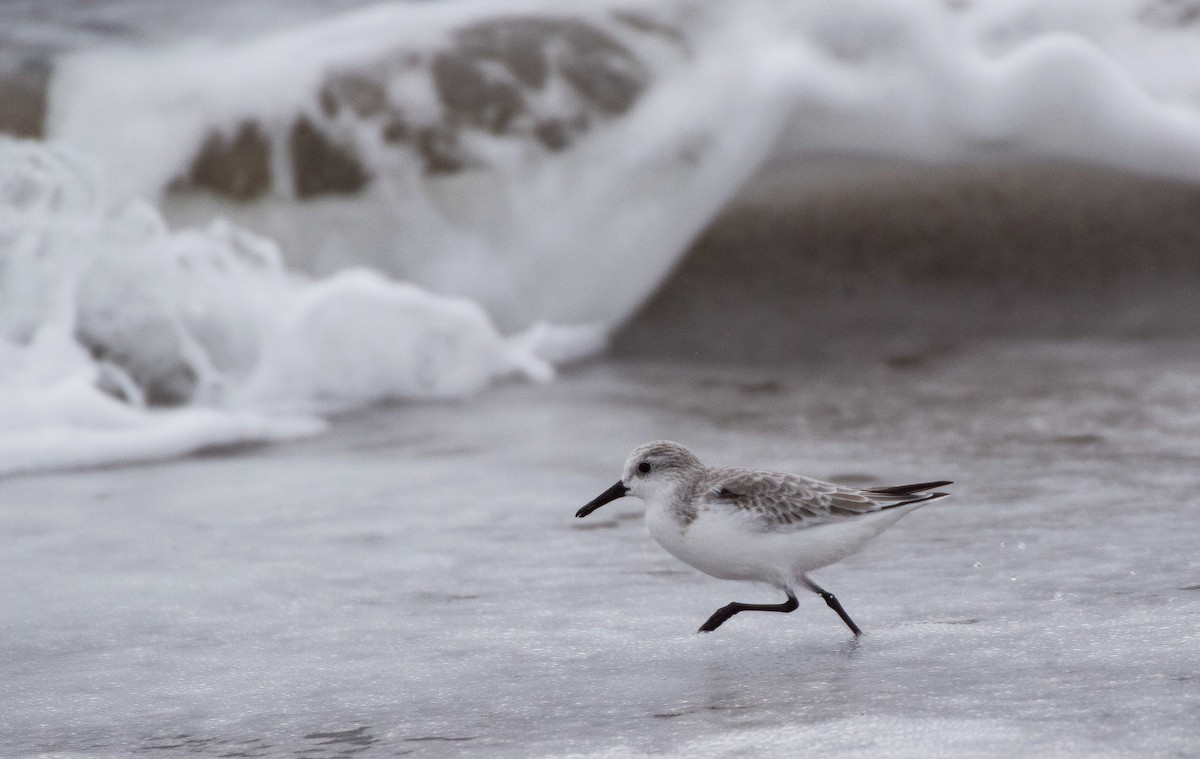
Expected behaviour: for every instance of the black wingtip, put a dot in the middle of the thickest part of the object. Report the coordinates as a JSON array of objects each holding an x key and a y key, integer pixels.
[
  {"x": 909, "y": 489},
  {"x": 921, "y": 498}
]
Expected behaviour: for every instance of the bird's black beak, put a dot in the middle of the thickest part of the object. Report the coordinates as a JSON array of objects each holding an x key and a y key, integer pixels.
[{"x": 616, "y": 491}]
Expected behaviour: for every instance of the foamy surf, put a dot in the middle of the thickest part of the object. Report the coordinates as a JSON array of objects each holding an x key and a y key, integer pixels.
[
  {"x": 543, "y": 165},
  {"x": 123, "y": 340},
  {"x": 470, "y": 147},
  {"x": 463, "y": 147}
]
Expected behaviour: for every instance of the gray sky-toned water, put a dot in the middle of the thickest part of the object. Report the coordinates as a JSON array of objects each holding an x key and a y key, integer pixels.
[{"x": 415, "y": 581}]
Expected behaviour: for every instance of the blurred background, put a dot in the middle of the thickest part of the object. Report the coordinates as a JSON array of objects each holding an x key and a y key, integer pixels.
[
  {"x": 910, "y": 239},
  {"x": 188, "y": 187}
]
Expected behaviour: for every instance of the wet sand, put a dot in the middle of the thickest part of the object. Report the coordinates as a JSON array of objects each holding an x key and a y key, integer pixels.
[{"x": 415, "y": 582}]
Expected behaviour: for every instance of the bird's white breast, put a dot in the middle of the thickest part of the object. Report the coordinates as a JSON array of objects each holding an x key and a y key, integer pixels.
[
  {"x": 715, "y": 542},
  {"x": 732, "y": 545}
]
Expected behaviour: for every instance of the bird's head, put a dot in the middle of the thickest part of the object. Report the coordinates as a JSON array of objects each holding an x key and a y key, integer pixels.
[{"x": 653, "y": 470}]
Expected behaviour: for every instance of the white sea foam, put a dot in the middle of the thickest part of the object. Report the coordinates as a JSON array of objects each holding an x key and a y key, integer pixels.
[
  {"x": 218, "y": 316},
  {"x": 555, "y": 235},
  {"x": 108, "y": 319},
  {"x": 529, "y": 234}
]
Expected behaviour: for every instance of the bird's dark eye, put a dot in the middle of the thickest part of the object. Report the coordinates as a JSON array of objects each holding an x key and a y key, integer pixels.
[{"x": 644, "y": 467}]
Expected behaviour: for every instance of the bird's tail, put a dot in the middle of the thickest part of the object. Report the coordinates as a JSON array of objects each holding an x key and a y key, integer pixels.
[{"x": 902, "y": 495}]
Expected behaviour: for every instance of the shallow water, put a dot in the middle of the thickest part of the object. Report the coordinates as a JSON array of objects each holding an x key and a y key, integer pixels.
[{"x": 415, "y": 582}]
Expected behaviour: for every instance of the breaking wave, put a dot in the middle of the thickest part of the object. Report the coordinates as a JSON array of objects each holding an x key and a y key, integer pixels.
[
  {"x": 121, "y": 339},
  {"x": 226, "y": 237}
]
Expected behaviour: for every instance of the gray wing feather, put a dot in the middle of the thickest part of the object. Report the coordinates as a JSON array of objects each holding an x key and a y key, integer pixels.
[{"x": 781, "y": 500}]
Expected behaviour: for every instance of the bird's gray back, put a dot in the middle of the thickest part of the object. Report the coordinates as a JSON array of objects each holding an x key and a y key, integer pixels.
[{"x": 780, "y": 500}]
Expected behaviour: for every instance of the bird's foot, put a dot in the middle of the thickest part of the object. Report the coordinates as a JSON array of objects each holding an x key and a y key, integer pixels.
[{"x": 719, "y": 617}]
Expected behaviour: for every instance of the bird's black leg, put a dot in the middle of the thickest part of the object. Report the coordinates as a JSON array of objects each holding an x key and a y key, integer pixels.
[
  {"x": 725, "y": 612},
  {"x": 834, "y": 604}
]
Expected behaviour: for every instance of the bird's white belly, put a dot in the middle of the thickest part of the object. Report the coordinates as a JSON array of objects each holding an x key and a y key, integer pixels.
[
  {"x": 716, "y": 545},
  {"x": 729, "y": 546}
]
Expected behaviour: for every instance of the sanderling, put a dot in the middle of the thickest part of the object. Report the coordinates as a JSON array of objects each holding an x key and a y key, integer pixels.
[{"x": 754, "y": 525}]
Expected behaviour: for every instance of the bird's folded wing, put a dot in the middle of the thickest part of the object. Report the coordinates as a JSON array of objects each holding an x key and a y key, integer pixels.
[{"x": 781, "y": 501}]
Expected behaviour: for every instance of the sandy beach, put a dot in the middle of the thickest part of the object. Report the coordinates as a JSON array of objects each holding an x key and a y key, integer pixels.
[{"x": 414, "y": 582}]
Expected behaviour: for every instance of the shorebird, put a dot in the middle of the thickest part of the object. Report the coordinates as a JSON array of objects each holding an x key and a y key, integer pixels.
[{"x": 755, "y": 525}]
